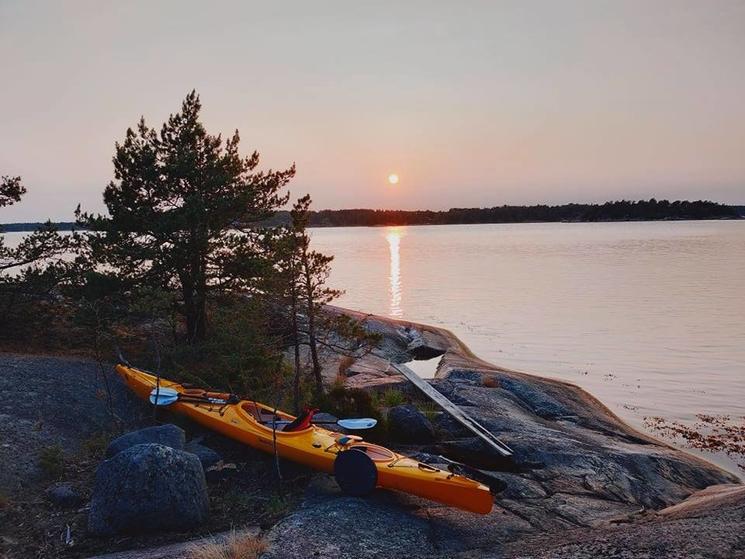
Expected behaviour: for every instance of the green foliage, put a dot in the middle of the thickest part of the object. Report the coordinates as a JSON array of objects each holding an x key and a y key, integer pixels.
[
  {"x": 52, "y": 461},
  {"x": 94, "y": 447},
  {"x": 180, "y": 211},
  {"x": 277, "y": 505},
  {"x": 11, "y": 190},
  {"x": 429, "y": 409},
  {"x": 343, "y": 402},
  {"x": 298, "y": 282},
  {"x": 392, "y": 397},
  {"x": 240, "y": 355},
  {"x": 32, "y": 275}
]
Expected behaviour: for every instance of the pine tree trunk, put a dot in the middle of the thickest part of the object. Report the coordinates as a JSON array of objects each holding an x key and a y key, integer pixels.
[
  {"x": 296, "y": 347},
  {"x": 312, "y": 333},
  {"x": 195, "y": 313}
]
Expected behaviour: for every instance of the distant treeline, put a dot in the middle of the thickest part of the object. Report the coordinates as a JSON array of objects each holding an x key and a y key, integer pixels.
[
  {"x": 643, "y": 210},
  {"x": 623, "y": 210},
  {"x": 34, "y": 225}
]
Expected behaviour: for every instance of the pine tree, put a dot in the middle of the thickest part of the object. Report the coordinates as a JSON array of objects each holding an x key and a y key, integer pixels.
[
  {"x": 179, "y": 213},
  {"x": 314, "y": 269}
]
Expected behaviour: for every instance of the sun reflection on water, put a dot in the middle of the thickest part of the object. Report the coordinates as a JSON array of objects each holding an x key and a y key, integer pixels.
[{"x": 393, "y": 236}]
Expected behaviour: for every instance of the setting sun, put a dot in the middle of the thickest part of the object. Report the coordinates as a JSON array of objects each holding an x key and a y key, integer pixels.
[{"x": 393, "y": 178}]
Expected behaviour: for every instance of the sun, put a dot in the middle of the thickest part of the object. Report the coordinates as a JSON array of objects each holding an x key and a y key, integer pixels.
[{"x": 393, "y": 178}]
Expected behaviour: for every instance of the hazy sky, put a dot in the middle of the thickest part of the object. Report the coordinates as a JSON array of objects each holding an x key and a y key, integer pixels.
[{"x": 471, "y": 103}]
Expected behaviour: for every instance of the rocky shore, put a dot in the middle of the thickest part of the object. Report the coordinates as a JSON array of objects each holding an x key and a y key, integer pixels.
[{"x": 582, "y": 483}]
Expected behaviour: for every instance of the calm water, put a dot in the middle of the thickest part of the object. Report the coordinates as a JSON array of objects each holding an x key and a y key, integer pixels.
[{"x": 649, "y": 317}]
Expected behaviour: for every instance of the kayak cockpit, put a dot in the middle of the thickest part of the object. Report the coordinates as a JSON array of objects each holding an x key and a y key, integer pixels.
[
  {"x": 375, "y": 452},
  {"x": 267, "y": 418}
]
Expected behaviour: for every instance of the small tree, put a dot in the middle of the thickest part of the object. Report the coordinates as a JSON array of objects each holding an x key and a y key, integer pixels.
[
  {"x": 32, "y": 270},
  {"x": 43, "y": 244},
  {"x": 180, "y": 208},
  {"x": 313, "y": 270},
  {"x": 283, "y": 285},
  {"x": 297, "y": 284}
]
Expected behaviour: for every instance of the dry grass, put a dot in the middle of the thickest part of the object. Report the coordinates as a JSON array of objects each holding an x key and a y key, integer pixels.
[
  {"x": 238, "y": 545},
  {"x": 344, "y": 364}
]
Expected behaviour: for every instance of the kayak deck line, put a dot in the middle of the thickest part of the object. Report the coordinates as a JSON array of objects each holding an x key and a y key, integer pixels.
[
  {"x": 458, "y": 414},
  {"x": 358, "y": 466}
]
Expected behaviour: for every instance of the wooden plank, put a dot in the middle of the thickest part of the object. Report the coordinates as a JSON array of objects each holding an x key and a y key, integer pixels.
[{"x": 457, "y": 413}]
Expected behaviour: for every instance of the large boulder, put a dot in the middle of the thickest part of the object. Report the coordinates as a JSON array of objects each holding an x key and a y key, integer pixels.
[
  {"x": 167, "y": 435},
  {"x": 206, "y": 455},
  {"x": 329, "y": 524},
  {"x": 64, "y": 495},
  {"x": 148, "y": 487},
  {"x": 408, "y": 425}
]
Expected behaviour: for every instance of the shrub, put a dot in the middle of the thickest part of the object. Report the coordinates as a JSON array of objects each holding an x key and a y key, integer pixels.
[
  {"x": 276, "y": 505},
  {"x": 52, "y": 461},
  {"x": 94, "y": 447},
  {"x": 429, "y": 409},
  {"x": 344, "y": 364},
  {"x": 343, "y": 402},
  {"x": 392, "y": 398}
]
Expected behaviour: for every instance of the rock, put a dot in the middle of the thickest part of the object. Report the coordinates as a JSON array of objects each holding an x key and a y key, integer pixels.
[
  {"x": 408, "y": 425},
  {"x": 465, "y": 376},
  {"x": 64, "y": 495},
  {"x": 707, "y": 524},
  {"x": 222, "y": 472},
  {"x": 167, "y": 435},
  {"x": 206, "y": 455},
  {"x": 325, "y": 418},
  {"x": 369, "y": 364},
  {"x": 423, "y": 344},
  {"x": 539, "y": 402},
  {"x": 474, "y": 452},
  {"x": 450, "y": 428},
  {"x": 342, "y": 527},
  {"x": 376, "y": 383},
  {"x": 67, "y": 410},
  {"x": 148, "y": 487}
]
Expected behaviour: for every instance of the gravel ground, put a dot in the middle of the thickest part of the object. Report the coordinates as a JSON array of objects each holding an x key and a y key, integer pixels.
[{"x": 49, "y": 400}]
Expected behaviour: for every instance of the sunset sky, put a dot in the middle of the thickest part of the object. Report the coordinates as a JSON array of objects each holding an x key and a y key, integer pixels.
[{"x": 469, "y": 103}]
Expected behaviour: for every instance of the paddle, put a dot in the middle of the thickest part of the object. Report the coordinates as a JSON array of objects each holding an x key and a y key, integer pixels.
[{"x": 168, "y": 396}]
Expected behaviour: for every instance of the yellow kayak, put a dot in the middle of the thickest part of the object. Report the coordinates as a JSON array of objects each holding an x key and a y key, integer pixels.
[{"x": 355, "y": 463}]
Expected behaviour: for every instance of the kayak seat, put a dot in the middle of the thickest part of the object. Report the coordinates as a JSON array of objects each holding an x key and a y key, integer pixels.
[{"x": 302, "y": 421}]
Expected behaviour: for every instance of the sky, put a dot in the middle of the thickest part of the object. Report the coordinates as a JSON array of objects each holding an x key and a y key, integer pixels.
[{"x": 470, "y": 103}]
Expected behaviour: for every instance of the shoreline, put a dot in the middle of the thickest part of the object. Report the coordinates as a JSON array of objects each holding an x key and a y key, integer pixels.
[{"x": 581, "y": 474}]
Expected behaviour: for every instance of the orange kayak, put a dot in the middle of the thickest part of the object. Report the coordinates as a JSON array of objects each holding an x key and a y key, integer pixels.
[{"x": 354, "y": 461}]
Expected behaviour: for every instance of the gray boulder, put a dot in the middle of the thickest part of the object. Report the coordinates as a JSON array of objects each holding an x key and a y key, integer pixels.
[
  {"x": 206, "y": 455},
  {"x": 167, "y": 435},
  {"x": 64, "y": 495},
  {"x": 329, "y": 524},
  {"x": 408, "y": 425},
  {"x": 148, "y": 487}
]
